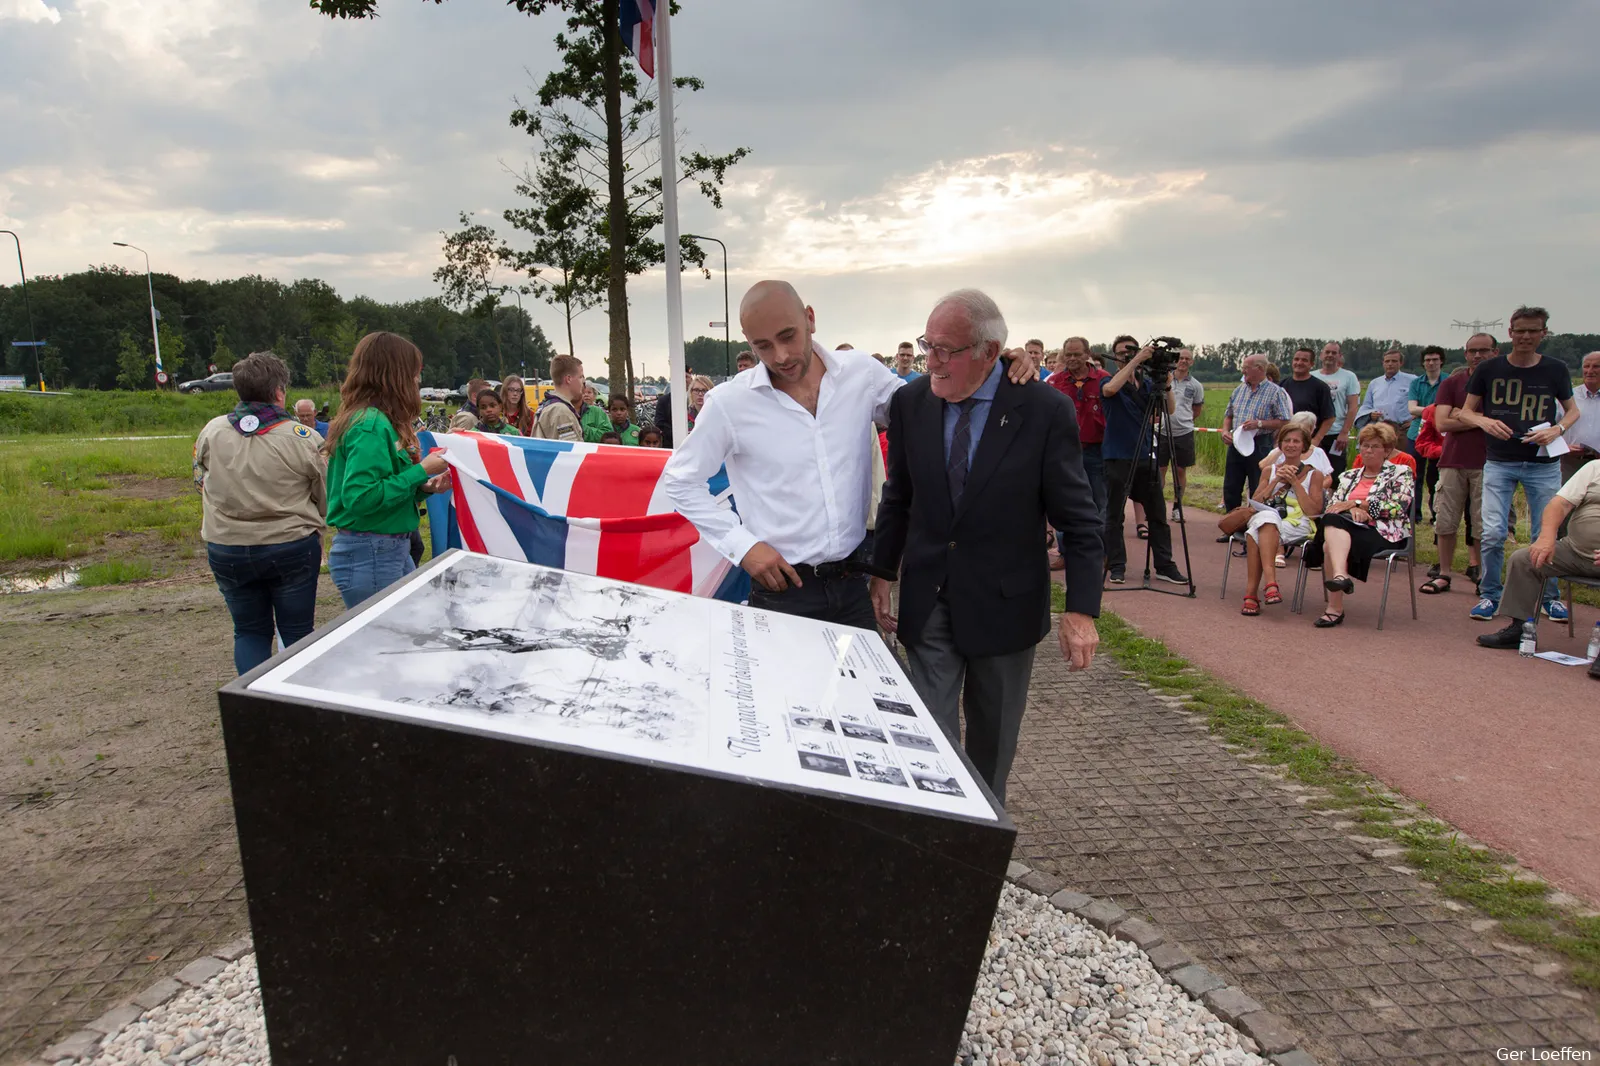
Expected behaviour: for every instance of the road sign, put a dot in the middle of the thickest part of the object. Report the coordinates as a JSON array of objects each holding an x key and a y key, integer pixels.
[
  {"x": 211, "y": 368},
  {"x": 28, "y": 344},
  {"x": 719, "y": 325},
  {"x": 161, "y": 377}
]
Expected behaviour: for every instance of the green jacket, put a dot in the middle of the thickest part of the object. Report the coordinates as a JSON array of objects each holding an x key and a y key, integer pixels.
[
  {"x": 595, "y": 422},
  {"x": 373, "y": 483},
  {"x": 628, "y": 433}
]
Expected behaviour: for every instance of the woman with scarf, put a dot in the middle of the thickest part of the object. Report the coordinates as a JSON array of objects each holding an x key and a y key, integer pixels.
[
  {"x": 260, "y": 477},
  {"x": 376, "y": 472}
]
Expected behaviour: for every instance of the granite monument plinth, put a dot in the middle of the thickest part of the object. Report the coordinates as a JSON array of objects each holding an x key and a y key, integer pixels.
[{"x": 505, "y": 814}]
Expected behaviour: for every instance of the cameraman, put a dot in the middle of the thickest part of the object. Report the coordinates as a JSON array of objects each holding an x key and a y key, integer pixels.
[{"x": 1130, "y": 457}]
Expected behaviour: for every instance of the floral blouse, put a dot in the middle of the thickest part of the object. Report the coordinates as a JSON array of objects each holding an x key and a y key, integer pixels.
[{"x": 1388, "y": 501}]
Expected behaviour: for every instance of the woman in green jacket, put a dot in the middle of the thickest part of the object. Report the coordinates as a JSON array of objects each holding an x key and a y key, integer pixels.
[{"x": 376, "y": 474}]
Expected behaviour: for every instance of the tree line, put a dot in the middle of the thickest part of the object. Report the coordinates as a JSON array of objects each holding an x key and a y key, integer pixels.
[
  {"x": 97, "y": 325},
  {"x": 1364, "y": 355}
]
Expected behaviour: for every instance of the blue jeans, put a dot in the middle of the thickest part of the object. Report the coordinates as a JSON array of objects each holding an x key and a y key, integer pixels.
[
  {"x": 267, "y": 586},
  {"x": 1539, "y": 483},
  {"x": 364, "y": 564}
]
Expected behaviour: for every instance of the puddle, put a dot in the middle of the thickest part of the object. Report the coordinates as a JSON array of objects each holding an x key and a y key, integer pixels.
[{"x": 64, "y": 578}]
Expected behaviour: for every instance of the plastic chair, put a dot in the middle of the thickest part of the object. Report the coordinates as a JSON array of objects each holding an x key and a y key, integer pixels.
[
  {"x": 1392, "y": 557},
  {"x": 1586, "y": 582},
  {"x": 1237, "y": 538}
]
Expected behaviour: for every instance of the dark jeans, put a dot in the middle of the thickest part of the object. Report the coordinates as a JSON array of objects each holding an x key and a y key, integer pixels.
[
  {"x": 267, "y": 586},
  {"x": 1336, "y": 458},
  {"x": 841, "y": 600},
  {"x": 1094, "y": 467},
  {"x": 1240, "y": 471},
  {"x": 1146, "y": 491},
  {"x": 1427, "y": 477}
]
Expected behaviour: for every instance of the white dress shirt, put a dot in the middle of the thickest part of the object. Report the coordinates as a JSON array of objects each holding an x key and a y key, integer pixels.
[
  {"x": 801, "y": 483},
  {"x": 1585, "y": 432}
]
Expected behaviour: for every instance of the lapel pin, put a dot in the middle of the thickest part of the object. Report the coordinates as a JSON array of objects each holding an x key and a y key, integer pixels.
[{"x": 1002, "y": 420}]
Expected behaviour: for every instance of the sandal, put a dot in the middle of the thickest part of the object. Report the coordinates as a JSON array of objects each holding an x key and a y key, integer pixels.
[
  {"x": 1252, "y": 606},
  {"x": 1279, "y": 562},
  {"x": 1273, "y": 596},
  {"x": 1472, "y": 573},
  {"x": 1329, "y": 620},
  {"x": 1435, "y": 586},
  {"x": 1142, "y": 531}
]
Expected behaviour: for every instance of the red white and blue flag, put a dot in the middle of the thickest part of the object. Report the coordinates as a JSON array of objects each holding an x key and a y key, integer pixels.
[
  {"x": 590, "y": 508},
  {"x": 637, "y": 19}
]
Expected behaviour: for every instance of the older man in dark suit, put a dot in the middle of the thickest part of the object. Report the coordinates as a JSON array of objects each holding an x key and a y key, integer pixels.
[{"x": 976, "y": 465}]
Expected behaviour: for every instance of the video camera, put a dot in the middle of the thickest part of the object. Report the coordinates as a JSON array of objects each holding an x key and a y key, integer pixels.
[{"x": 1163, "y": 357}]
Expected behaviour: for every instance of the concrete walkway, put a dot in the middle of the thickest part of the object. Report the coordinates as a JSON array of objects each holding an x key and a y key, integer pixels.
[
  {"x": 1126, "y": 798},
  {"x": 1506, "y": 749}
]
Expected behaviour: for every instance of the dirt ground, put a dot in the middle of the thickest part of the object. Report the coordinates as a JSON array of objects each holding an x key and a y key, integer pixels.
[{"x": 115, "y": 816}]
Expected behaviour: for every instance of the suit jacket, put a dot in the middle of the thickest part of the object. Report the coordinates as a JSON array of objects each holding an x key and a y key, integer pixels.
[{"x": 987, "y": 556}]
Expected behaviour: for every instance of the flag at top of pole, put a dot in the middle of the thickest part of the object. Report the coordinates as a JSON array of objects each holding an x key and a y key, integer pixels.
[
  {"x": 647, "y": 33},
  {"x": 638, "y": 37}
]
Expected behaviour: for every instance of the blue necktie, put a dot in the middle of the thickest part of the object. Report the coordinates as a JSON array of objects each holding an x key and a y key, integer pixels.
[{"x": 955, "y": 464}]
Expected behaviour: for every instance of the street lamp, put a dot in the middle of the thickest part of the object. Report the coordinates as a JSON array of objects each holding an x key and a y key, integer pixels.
[
  {"x": 33, "y": 339},
  {"x": 155, "y": 331},
  {"x": 522, "y": 351},
  {"x": 727, "y": 344}
]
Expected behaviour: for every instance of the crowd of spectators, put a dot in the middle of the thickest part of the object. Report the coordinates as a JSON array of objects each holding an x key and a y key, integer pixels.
[{"x": 1463, "y": 440}]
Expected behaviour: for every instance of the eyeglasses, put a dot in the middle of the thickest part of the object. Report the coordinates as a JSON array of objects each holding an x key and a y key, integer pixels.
[
  {"x": 1481, "y": 351},
  {"x": 939, "y": 351}
]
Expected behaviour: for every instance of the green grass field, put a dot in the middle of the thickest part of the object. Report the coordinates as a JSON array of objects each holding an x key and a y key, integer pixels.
[{"x": 85, "y": 414}]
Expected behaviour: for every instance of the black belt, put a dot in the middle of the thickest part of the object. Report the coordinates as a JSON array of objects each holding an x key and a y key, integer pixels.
[{"x": 827, "y": 571}]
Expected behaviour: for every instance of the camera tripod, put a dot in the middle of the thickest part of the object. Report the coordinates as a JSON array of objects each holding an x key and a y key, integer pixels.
[{"x": 1155, "y": 425}]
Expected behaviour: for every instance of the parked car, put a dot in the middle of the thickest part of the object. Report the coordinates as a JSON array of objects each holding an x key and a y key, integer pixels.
[
  {"x": 437, "y": 395},
  {"x": 222, "y": 382}
]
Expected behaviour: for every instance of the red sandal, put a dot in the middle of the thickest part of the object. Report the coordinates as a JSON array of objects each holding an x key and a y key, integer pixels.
[
  {"x": 1273, "y": 596},
  {"x": 1252, "y": 606}
]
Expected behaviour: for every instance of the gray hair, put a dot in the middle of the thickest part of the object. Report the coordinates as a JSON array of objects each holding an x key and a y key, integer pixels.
[
  {"x": 259, "y": 377},
  {"x": 988, "y": 324},
  {"x": 1253, "y": 355}
]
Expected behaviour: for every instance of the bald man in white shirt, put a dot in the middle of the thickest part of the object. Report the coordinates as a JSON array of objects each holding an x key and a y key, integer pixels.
[{"x": 796, "y": 436}]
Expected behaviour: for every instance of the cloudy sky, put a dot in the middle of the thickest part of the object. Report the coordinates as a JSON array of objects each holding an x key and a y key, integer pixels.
[{"x": 1212, "y": 170}]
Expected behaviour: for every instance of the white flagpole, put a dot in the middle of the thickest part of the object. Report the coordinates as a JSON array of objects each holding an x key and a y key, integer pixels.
[{"x": 676, "y": 388}]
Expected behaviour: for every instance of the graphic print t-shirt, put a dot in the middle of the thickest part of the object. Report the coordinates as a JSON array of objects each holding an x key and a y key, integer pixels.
[{"x": 1521, "y": 397}]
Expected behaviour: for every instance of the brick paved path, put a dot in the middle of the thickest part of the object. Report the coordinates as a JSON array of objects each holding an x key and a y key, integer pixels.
[{"x": 1126, "y": 798}]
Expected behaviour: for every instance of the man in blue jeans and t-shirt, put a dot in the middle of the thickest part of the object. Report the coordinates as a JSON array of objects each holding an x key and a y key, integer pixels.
[{"x": 1507, "y": 397}]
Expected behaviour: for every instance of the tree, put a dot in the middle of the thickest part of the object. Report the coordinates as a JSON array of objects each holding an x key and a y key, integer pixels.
[
  {"x": 471, "y": 256},
  {"x": 596, "y": 107},
  {"x": 319, "y": 368},
  {"x": 173, "y": 345},
  {"x": 221, "y": 355},
  {"x": 134, "y": 365},
  {"x": 563, "y": 266}
]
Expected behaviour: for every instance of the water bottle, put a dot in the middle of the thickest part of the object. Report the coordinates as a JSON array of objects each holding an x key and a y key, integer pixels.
[
  {"x": 1529, "y": 643},
  {"x": 1594, "y": 644}
]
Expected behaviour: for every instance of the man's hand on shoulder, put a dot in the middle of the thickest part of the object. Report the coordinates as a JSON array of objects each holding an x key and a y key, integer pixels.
[
  {"x": 1023, "y": 369},
  {"x": 766, "y": 565},
  {"x": 1078, "y": 639}
]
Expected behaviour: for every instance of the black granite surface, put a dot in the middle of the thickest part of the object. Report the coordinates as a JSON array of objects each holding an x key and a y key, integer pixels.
[{"x": 420, "y": 894}]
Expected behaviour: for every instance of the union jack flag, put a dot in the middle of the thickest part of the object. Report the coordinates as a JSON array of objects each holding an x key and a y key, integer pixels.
[
  {"x": 637, "y": 19},
  {"x": 590, "y": 508}
]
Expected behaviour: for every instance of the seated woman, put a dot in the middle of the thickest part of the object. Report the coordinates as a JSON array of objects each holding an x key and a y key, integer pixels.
[
  {"x": 1365, "y": 515},
  {"x": 1293, "y": 489},
  {"x": 1316, "y": 457}
]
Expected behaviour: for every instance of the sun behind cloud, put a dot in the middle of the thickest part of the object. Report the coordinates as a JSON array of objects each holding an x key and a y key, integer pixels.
[{"x": 954, "y": 212}]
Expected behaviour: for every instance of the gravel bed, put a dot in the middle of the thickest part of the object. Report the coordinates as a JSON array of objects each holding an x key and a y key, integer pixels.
[{"x": 1054, "y": 991}]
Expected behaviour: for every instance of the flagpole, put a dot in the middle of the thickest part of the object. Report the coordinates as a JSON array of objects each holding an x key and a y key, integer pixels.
[{"x": 676, "y": 389}]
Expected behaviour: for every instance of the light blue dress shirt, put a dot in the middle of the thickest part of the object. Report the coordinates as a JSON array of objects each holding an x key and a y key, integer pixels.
[
  {"x": 1387, "y": 397},
  {"x": 984, "y": 398}
]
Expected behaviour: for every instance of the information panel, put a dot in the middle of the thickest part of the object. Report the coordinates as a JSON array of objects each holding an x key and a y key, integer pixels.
[{"x": 533, "y": 652}]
